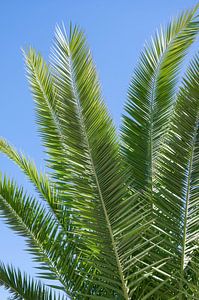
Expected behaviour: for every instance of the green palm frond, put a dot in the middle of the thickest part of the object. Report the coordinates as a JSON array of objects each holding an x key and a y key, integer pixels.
[
  {"x": 95, "y": 176},
  {"x": 47, "y": 106},
  {"x": 22, "y": 287},
  {"x": 49, "y": 194},
  {"x": 151, "y": 96},
  {"x": 40, "y": 181},
  {"x": 111, "y": 224},
  {"x": 72, "y": 64},
  {"x": 45, "y": 188},
  {"x": 178, "y": 194},
  {"x": 29, "y": 219}
]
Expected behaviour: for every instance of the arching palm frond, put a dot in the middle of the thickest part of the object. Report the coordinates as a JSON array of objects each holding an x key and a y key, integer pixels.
[
  {"x": 97, "y": 165},
  {"x": 88, "y": 174},
  {"x": 151, "y": 96},
  {"x": 106, "y": 223},
  {"x": 150, "y": 106},
  {"x": 40, "y": 181}
]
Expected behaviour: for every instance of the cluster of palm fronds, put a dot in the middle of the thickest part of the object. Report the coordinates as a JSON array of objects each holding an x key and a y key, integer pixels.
[{"x": 114, "y": 218}]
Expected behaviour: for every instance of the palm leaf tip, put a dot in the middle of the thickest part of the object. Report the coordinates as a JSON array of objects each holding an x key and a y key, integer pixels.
[{"x": 22, "y": 286}]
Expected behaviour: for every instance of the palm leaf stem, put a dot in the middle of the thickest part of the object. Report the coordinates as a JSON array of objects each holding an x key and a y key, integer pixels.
[{"x": 124, "y": 287}]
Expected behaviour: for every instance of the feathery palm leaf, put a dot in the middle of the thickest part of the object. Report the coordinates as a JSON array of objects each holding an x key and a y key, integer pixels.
[
  {"x": 114, "y": 224},
  {"x": 28, "y": 218},
  {"x": 151, "y": 96},
  {"x": 177, "y": 179},
  {"x": 41, "y": 182},
  {"x": 22, "y": 287}
]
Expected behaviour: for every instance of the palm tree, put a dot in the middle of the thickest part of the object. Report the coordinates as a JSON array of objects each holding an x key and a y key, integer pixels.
[{"x": 115, "y": 218}]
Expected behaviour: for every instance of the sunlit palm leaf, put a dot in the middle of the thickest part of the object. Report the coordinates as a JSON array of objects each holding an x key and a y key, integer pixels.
[
  {"x": 178, "y": 197},
  {"x": 77, "y": 85},
  {"x": 112, "y": 225},
  {"x": 151, "y": 96}
]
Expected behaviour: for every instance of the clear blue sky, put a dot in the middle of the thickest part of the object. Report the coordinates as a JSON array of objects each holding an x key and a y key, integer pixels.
[{"x": 116, "y": 31}]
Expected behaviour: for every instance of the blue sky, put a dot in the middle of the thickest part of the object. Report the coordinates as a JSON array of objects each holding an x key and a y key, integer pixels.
[{"x": 116, "y": 32}]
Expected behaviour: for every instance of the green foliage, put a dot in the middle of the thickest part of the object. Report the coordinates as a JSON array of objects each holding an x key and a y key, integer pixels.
[
  {"x": 113, "y": 218},
  {"x": 22, "y": 287}
]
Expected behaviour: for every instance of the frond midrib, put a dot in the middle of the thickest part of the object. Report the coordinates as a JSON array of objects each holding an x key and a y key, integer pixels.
[
  {"x": 61, "y": 137},
  {"x": 53, "y": 114},
  {"x": 75, "y": 93},
  {"x": 152, "y": 100}
]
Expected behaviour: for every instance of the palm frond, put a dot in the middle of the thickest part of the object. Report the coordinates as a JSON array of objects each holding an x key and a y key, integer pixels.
[
  {"x": 78, "y": 212},
  {"x": 49, "y": 194},
  {"x": 23, "y": 287},
  {"x": 115, "y": 224},
  {"x": 29, "y": 219},
  {"x": 47, "y": 103},
  {"x": 177, "y": 177},
  {"x": 94, "y": 142},
  {"x": 41, "y": 84},
  {"x": 89, "y": 173},
  {"x": 151, "y": 96},
  {"x": 41, "y": 181},
  {"x": 91, "y": 134}
]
